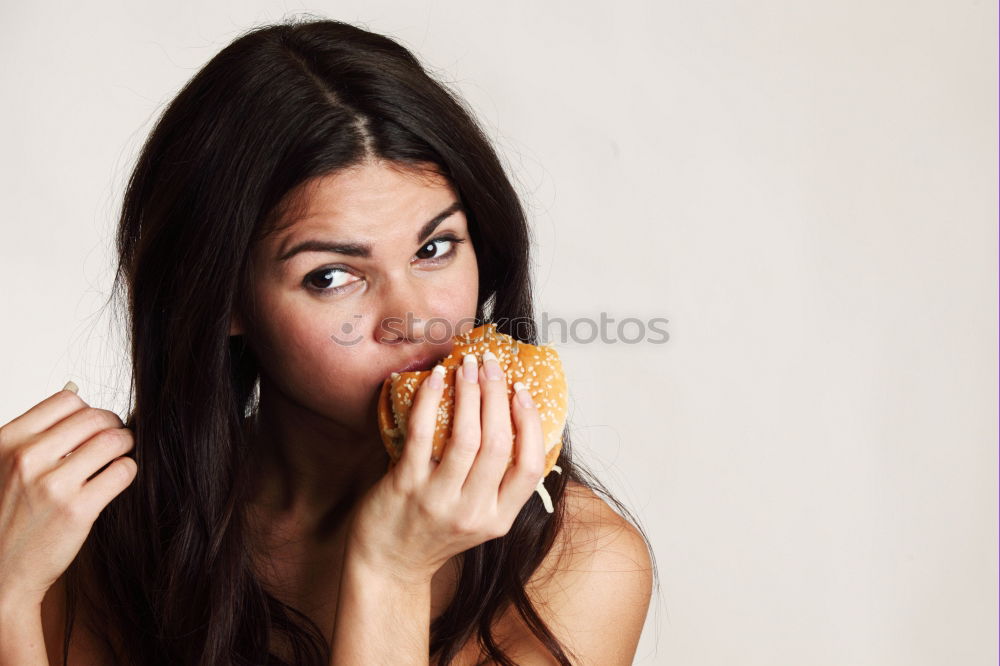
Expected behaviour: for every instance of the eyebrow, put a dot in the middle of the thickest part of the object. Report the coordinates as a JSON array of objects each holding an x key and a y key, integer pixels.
[{"x": 364, "y": 250}]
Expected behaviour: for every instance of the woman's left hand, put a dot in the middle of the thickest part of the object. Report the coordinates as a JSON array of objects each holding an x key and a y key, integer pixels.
[{"x": 422, "y": 513}]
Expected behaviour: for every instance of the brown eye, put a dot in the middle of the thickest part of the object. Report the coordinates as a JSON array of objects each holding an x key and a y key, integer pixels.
[
  {"x": 427, "y": 252},
  {"x": 328, "y": 280}
]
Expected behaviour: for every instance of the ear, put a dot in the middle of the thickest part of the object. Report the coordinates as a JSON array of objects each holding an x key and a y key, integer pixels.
[{"x": 236, "y": 324}]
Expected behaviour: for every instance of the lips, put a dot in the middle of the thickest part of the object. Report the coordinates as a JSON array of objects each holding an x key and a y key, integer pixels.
[{"x": 422, "y": 363}]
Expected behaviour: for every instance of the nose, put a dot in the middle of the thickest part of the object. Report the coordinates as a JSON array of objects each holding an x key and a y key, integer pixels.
[{"x": 404, "y": 315}]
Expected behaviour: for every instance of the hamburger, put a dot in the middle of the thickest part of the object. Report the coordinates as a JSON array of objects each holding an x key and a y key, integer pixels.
[{"x": 536, "y": 366}]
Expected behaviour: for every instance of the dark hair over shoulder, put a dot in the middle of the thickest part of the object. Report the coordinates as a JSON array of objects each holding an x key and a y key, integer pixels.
[{"x": 280, "y": 105}]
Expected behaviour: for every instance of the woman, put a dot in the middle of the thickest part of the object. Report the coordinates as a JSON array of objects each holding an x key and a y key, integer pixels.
[{"x": 305, "y": 206}]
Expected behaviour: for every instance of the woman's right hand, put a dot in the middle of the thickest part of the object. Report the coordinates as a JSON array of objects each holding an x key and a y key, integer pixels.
[
  {"x": 422, "y": 513},
  {"x": 48, "y": 502}
]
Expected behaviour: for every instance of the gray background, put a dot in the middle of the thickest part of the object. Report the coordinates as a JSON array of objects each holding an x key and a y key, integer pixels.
[{"x": 806, "y": 190}]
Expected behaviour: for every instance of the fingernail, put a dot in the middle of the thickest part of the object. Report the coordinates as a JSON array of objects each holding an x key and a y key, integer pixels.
[
  {"x": 492, "y": 366},
  {"x": 70, "y": 386},
  {"x": 470, "y": 369},
  {"x": 436, "y": 380},
  {"x": 523, "y": 395}
]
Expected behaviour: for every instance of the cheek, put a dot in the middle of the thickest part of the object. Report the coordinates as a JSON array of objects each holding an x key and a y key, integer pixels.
[
  {"x": 321, "y": 365},
  {"x": 467, "y": 282},
  {"x": 296, "y": 340},
  {"x": 454, "y": 304}
]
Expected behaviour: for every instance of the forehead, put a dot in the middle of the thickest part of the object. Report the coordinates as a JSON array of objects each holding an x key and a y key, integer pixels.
[{"x": 363, "y": 203}]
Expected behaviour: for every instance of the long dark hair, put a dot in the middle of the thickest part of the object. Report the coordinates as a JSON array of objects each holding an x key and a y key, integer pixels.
[{"x": 280, "y": 105}]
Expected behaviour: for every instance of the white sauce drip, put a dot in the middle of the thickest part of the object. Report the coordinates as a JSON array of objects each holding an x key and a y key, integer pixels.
[{"x": 543, "y": 493}]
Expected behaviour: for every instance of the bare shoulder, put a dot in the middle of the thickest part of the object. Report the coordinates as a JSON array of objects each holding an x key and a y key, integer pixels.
[
  {"x": 592, "y": 589},
  {"x": 593, "y": 534},
  {"x": 85, "y": 648}
]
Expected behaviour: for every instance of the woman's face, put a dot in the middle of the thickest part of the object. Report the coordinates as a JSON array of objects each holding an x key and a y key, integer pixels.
[{"x": 330, "y": 326}]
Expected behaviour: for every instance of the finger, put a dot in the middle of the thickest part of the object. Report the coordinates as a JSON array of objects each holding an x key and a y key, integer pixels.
[
  {"x": 44, "y": 454},
  {"x": 74, "y": 430},
  {"x": 529, "y": 456},
  {"x": 92, "y": 455},
  {"x": 466, "y": 432},
  {"x": 44, "y": 415},
  {"x": 414, "y": 462},
  {"x": 497, "y": 439},
  {"x": 99, "y": 491}
]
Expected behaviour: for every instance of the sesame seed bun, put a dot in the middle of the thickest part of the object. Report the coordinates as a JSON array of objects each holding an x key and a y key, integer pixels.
[{"x": 537, "y": 367}]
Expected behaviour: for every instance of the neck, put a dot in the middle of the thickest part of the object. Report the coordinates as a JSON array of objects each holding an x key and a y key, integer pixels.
[{"x": 310, "y": 472}]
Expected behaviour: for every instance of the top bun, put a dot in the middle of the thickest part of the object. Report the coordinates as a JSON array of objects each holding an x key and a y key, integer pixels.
[{"x": 537, "y": 367}]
